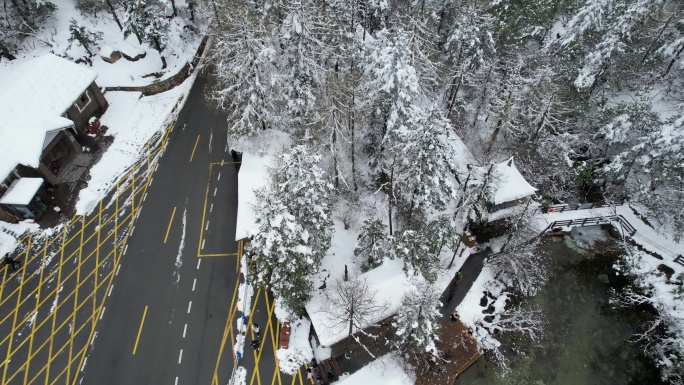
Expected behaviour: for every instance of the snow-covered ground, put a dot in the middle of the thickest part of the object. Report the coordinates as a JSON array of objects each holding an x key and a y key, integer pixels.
[
  {"x": 386, "y": 370},
  {"x": 181, "y": 47},
  {"x": 132, "y": 120}
]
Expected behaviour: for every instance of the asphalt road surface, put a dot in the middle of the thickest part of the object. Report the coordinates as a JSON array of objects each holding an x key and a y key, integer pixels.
[
  {"x": 170, "y": 299},
  {"x": 144, "y": 290}
]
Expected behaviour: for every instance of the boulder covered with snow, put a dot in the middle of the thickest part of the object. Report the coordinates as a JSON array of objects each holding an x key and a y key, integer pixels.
[{"x": 109, "y": 54}]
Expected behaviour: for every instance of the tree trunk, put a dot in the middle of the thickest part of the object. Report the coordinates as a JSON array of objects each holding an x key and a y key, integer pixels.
[
  {"x": 158, "y": 47},
  {"x": 334, "y": 147},
  {"x": 390, "y": 193},
  {"x": 542, "y": 120},
  {"x": 484, "y": 95},
  {"x": 515, "y": 227},
  {"x": 453, "y": 257},
  {"x": 674, "y": 59},
  {"x": 650, "y": 47},
  {"x": 113, "y": 12},
  {"x": 499, "y": 123},
  {"x": 353, "y": 145}
]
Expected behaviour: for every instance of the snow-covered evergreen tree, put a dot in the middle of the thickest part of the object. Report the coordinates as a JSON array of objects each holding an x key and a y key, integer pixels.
[
  {"x": 80, "y": 34},
  {"x": 393, "y": 90},
  {"x": 423, "y": 174},
  {"x": 417, "y": 322},
  {"x": 146, "y": 19},
  {"x": 301, "y": 185},
  {"x": 281, "y": 258},
  {"x": 372, "y": 244},
  {"x": 244, "y": 60},
  {"x": 302, "y": 72},
  {"x": 419, "y": 253},
  {"x": 295, "y": 227}
]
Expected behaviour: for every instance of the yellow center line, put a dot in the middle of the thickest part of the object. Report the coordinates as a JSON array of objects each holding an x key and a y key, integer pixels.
[
  {"x": 135, "y": 348},
  {"x": 170, "y": 223},
  {"x": 194, "y": 148}
]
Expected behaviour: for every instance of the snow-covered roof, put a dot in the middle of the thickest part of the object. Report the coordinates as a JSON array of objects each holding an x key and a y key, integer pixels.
[
  {"x": 21, "y": 191},
  {"x": 512, "y": 185},
  {"x": 34, "y": 96},
  {"x": 253, "y": 175},
  {"x": 256, "y": 160}
]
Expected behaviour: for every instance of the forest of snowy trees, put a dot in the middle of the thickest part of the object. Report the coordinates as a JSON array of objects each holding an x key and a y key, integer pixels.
[{"x": 583, "y": 94}]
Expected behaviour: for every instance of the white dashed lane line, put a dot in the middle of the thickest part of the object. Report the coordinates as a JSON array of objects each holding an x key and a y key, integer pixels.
[
  {"x": 194, "y": 282},
  {"x": 189, "y": 306},
  {"x": 180, "y": 356},
  {"x": 185, "y": 329},
  {"x": 198, "y": 262}
]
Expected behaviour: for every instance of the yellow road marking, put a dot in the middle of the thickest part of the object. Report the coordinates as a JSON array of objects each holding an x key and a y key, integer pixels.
[
  {"x": 40, "y": 298},
  {"x": 170, "y": 223},
  {"x": 54, "y": 313},
  {"x": 78, "y": 281},
  {"x": 229, "y": 325},
  {"x": 14, "y": 321},
  {"x": 33, "y": 327},
  {"x": 142, "y": 322},
  {"x": 194, "y": 148}
]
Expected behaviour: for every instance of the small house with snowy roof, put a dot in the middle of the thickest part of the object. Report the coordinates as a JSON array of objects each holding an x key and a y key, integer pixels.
[
  {"x": 511, "y": 189},
  {"x": 47, "y": 105}
]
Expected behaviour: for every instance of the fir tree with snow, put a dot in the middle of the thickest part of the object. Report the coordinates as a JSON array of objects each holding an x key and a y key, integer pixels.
[
  {"x": 417, "y": 323},
  {"x": 295, "y": 228},
  {"x": 372, "y": 244},
  {"x": 418, "y": 251},
  {"x": 281, "y": 258},
  {"x": 82, "y": 36},
  {"x": 423, "y": 174}
]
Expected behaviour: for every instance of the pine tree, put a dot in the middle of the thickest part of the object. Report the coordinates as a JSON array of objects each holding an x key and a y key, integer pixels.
[
  {"x": 301, "y": 65},
  {"x": 418, "y": 251},
  {"x": 417, "y": 322},
  {"x": 373, "y": 244},
  {"x": 301, "y": 185},
  {"x": 244, "y": 59},
  {"x": 84, "y": 37},
  {"x": 146, "y": 19},
  {"x": 295, "y": 228},
  {"x": 423, "y": 180},
  {"x": 281, "y": 258}
]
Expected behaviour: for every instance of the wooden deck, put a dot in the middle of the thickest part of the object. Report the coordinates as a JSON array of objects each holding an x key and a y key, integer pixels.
[{"x": 457, "y": 356}]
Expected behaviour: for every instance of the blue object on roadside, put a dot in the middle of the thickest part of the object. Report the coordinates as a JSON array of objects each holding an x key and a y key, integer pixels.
[{"x": 238, "y": 355}]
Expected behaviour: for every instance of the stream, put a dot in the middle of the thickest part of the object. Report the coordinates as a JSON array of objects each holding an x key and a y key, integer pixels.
[{"x": 586, "y": 339}]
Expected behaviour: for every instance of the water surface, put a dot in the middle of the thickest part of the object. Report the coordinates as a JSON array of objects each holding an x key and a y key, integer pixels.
[{"x": 586, "y": 339}]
